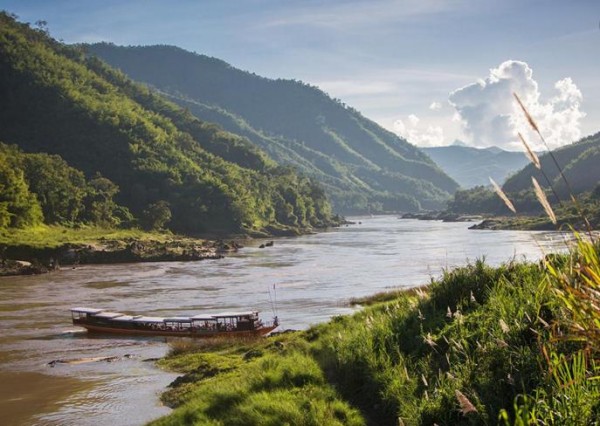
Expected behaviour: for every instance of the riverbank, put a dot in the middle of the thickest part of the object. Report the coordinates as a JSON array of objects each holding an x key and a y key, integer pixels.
[
  {"x": 43, "y": 249},
  {"x": 479, "y": 345},
  {"x": 539, "y": 222}
]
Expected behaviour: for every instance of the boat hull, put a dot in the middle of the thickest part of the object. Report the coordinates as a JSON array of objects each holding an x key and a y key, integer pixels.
[{"x": 100, "y": 329}]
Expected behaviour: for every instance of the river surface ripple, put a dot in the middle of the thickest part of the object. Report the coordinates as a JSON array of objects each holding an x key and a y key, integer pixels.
[{"x": 305, "y": 279}]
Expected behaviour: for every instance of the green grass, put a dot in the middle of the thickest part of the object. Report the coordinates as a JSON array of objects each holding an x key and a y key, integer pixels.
[
  {"x": 272, "y": 382},
  {"x": 45, "y": 236},
  {"x": 481, "y": 345}
]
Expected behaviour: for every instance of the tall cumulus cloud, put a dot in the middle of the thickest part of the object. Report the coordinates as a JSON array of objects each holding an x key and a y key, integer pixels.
[
  {"x": 419, "y": 134},
  {"x": 491, "y": 116}
]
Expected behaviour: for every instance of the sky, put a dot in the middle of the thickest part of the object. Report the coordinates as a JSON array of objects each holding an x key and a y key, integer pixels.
[{"x": 432, "y": 71}]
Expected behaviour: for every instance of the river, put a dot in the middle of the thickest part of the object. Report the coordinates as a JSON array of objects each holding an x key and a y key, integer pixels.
[{"x": 305, "y": 280}]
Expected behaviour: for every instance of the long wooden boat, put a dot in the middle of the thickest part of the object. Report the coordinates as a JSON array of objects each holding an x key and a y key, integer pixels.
[{"x": 202, "y": 326}]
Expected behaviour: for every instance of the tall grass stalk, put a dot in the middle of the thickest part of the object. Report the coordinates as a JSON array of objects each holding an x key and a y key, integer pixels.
[{"x": 536, "y": 128}]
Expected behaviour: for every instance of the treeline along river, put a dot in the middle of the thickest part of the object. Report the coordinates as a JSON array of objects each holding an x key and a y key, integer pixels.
[{"x": 304, "y": 280}]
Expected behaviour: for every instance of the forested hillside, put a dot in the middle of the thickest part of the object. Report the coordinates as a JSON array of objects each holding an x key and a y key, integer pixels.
[
  {"x": 56, "y": 100},
  {"x": 579, "y": 162},
  {"x": 362, "y": 166},
  {"x": 473, "y": 166}
]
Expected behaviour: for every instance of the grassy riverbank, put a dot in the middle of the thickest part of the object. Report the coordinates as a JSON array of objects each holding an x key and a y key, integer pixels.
[
  {"x": 42, "y": 248},
  {"x": 517, "y": 341},
  {"x": 52, "y": 236}
]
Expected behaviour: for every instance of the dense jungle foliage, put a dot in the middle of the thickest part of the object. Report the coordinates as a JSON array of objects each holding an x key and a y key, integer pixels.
[
  {"x": 193, "y": 176},
  {"x": 361, "y": 166},
  {"x": 41, "y": 188}
]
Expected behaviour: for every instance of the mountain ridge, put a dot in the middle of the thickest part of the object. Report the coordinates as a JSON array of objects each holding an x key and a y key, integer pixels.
[
  {"x": 56, "y": 100},
  {"x": 362, "y": 166},
  {"x": 471, "y": 167},
  {"x": 578, "y": 161}
]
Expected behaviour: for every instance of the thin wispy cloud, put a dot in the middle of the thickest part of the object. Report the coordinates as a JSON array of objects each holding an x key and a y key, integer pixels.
[{"x": 346, "y": 16}]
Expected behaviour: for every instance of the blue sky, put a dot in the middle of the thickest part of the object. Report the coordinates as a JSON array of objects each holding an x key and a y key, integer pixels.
[{"x": 395, "y": 61}]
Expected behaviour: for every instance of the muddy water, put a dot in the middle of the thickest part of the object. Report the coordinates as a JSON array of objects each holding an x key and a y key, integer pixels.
[{"x": 304, "y": 280}]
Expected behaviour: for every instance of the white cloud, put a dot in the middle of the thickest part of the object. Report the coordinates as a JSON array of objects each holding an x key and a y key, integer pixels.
[
  {"x": 413, "y": 120},
  {"x": 417, "y": 134},
  {"x": 435, "y": 106},
  {"x": 491, "y": 116}
]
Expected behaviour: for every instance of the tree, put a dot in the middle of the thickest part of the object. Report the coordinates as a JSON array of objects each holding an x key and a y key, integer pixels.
[
  {"x": 18, "y": 206},
  {"x": 100, "y": 207},
  {"x": 60, "y": 188},
  {"x": 157, "y": 215}
]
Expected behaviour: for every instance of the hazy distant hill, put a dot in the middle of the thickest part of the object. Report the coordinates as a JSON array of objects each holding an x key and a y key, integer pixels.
[
  {"x": 361, "y": 165},
  {"x": 580, "y": 162},
  {"x": 473, "y": 166},
  {"x": 54, "y": 99}
]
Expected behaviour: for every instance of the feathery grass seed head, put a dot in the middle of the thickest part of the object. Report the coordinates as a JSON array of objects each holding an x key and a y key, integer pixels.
[
  {"x": 530, "y": 153},
  {"x": 530, "y": 119},
  {"x": 541, "y": 196},
  {"x": 466, "y": 406},
  {"x": 503, "y": 196}
]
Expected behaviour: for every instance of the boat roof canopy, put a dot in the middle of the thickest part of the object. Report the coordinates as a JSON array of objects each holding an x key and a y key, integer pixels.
[
  {"x": 148, "y": 319},
  {"x": 100, "y": 313},
  {"x": 86, "y": 310},
  {"x": 235, "y": 314},
  {"x": 108, "y": 315},
  {"x": 203, "y": 317},
  {"x": 178, "y": 319},
  {"x": 123, "y": 318}
]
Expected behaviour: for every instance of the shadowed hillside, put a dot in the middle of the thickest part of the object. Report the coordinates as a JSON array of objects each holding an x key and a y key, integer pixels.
[
  {"x": 579, "y": 162},
  {"x": 362, "y": 166}
]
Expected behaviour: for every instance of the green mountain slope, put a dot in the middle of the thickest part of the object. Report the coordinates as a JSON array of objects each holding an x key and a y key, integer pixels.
[
  {"x": 54, "y": 99},
  {"x": 473, "y": 166},
  {"x": 361, "y": 165},
  {"x": 579, "y": 162}
]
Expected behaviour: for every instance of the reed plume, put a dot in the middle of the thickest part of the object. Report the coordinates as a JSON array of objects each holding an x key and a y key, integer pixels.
[
  {"x": 528, "y": 116},
  {"x": 535, "y": 127},
  {"x": 541, "y": 196},
  {"x": 466, "y": 406},
  {"x": 503, "y": 196},
  {"x": 530, "y": 153}
]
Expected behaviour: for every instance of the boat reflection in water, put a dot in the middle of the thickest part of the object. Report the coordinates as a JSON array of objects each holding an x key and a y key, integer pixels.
[{"x": 199, "y": 326}]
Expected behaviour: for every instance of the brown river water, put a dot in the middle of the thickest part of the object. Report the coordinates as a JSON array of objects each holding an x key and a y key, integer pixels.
[{"x": 304, "y": 280}]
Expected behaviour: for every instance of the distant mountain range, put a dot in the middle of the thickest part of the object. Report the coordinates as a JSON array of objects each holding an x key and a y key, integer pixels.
[
  {"x": 362, "y": 166},
  {"x": 474, "y": 166}
]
